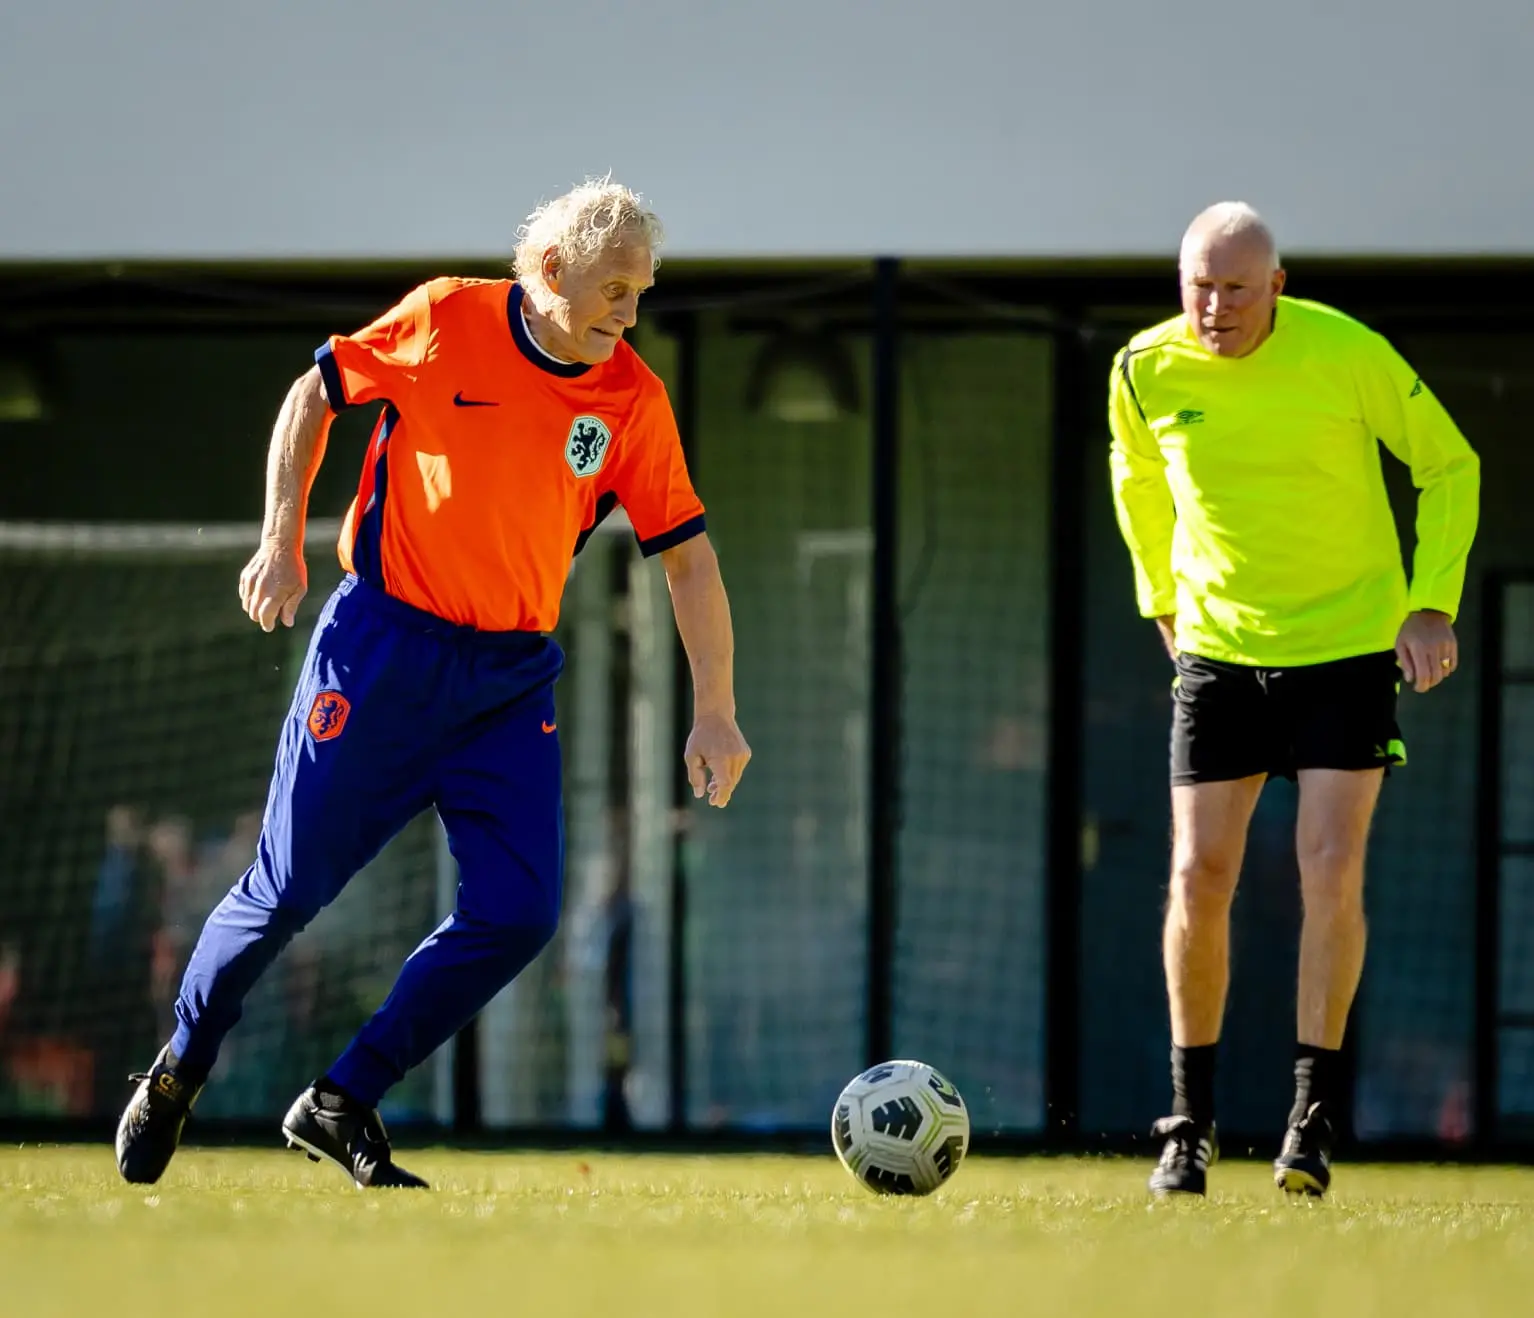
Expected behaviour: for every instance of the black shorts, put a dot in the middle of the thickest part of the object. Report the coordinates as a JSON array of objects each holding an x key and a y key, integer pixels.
[{"x": 1231, "y": 721}]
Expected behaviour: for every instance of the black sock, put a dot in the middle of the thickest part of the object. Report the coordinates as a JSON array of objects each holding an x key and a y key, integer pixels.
[
  {"x": 1315, "y": 1078},
  {"x": 332, "y": 1096},
  {"x": 1193, "y": 1082},
  {"x": 186, "y": 1074}
]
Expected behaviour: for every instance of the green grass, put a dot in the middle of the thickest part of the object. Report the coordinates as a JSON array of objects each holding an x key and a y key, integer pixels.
[{"x": 244, "y": 1232}]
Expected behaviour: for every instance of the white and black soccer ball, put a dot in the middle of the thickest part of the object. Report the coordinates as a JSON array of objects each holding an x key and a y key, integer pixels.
[{"x": 900, "y": 1128}]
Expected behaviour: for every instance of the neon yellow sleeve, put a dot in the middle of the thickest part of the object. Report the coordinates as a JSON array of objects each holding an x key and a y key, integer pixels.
[
  {"x": 1413, "y": 425},
  {"x": 1141, "y": 497}
]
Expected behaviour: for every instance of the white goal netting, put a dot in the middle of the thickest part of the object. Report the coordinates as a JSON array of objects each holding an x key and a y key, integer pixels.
[{"x": 139, "y": 710}]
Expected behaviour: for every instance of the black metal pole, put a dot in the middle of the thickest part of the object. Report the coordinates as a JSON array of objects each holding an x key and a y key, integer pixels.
[
  {"x": 885, "y": 683},
  {"x": 1067, "y": 556},
  {"x": 686, "y": 407},
  {"x": 1488, "y": 878},
  {"x": 617, "y": 961}
]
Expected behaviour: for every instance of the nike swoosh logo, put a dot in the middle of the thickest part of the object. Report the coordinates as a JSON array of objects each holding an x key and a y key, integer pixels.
[
  {"x": 460, "y": 401},
  {"x": 549, "y": 727}
]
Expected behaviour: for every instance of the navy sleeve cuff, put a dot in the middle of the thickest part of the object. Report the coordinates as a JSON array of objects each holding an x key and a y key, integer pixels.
[
  {"x": 330, "y": 373},
  {"x": 672, "y": 538}
]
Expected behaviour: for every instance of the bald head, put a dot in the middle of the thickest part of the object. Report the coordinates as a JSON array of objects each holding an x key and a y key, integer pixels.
[
  {"x": 1231, "y": 279},
  {"x": 1232, "y": 224}
]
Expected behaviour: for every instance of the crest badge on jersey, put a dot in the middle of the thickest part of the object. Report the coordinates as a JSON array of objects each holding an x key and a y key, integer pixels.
[{"x": 587, "y": 444}]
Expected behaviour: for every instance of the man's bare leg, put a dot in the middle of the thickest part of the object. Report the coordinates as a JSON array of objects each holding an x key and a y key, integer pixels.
[
  {"x": 1209, "y": 827},
  {"x": 1331, "y": 838}
]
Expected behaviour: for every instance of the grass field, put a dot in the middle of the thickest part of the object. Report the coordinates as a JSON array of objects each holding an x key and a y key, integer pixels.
[{"x": 264, "y": 1232}]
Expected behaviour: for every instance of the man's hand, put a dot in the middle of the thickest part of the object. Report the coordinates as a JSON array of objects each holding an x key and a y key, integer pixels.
[
  {"x": 273, "y": 584},
  {"x": 1167, "y": 626},
  {"x": 1426, "y": 649},
  {"x": 716, "y": 746}
]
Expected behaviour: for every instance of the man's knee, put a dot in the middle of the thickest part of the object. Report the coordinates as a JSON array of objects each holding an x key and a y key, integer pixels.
[
  {"x": 521, "y": 920},
  {"x": 538, "y": 923},
  {"x": 1332, "y": 879},
  {"x": 1326, "y": 857},
  {"x": 1202, "y": 886}
]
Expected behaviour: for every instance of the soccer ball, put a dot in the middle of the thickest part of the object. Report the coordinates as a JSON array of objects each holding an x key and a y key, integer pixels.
[{"x": 900, "y": 1128}]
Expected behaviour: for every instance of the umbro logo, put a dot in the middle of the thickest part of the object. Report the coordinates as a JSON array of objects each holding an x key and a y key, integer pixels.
[
  {"x": 1416, "y": 388},
  {"x": 1188, "y": 418},
  {"x": 460, "y": 401}
]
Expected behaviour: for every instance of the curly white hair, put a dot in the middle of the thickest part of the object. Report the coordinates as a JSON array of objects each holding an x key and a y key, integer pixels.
[{"x": 587, "y": 221}]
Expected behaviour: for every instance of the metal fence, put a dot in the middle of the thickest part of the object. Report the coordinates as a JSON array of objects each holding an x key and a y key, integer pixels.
[{"x": 952, "y": 842}]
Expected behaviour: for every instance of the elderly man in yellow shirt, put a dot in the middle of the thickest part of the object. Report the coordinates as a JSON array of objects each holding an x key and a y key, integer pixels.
[{"x": 1248, "y": 484}]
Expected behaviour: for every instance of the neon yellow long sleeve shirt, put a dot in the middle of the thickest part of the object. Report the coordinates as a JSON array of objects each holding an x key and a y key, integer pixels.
[{"x": 1251, "y": 495}]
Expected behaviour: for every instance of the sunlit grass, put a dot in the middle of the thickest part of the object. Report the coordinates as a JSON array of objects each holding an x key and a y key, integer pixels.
[{"x": 265, "y": 1232}]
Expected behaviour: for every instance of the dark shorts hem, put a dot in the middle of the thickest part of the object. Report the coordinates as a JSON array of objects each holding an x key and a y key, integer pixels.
[
  {"x": 1232, "y": 721},
  {"x": 1195, "y": 777},
  {"x": 1225, "y": 774}
]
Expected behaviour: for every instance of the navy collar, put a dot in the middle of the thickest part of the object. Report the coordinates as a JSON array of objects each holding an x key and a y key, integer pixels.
[{"x": 529, "y": 349}]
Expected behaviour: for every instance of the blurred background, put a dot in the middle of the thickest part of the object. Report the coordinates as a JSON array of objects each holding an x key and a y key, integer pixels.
[{"x": 905, "y": 242}]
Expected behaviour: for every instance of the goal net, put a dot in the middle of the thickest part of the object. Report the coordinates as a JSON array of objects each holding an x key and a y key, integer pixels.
[{"x": 139, "y": 711}]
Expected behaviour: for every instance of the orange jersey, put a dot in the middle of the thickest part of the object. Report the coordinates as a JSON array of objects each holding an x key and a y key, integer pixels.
[{"x": 492, "y": 462}]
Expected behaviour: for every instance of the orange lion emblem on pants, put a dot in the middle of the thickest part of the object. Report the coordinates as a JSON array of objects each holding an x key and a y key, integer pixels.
[{"x": 327, "y": 715}]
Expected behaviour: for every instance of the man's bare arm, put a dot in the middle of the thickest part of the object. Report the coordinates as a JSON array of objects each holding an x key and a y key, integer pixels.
[
  {"x": 297, "y": 447},
  {"x": 275, "y": 580},
  {"x": 702, "y": 612}
]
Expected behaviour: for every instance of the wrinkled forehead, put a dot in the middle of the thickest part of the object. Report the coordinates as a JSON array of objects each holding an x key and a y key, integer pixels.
[
  {"x": 1244, "y": 255},
  {"x": 627, "y": 258}
]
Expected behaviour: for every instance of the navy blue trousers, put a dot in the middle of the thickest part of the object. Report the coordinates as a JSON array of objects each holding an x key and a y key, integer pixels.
[{"x": 397, "y": 712}]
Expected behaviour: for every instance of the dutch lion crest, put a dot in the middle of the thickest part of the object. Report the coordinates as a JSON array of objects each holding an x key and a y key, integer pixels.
[{"x": 587, "y": 445}]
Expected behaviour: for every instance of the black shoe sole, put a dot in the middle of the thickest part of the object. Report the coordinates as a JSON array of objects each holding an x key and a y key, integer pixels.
[
  {"x": 131, "y": 1177},
  {"x": 316, "y": 1153},
  {"x": 298, "y": 1143},
  {"x": 147, "y": 1167},
  {"x": 1297, "y": 1181}
]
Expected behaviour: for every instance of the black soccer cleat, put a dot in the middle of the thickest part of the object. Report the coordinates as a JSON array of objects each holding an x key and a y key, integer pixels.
[
  {"x": 1304, "y": 1164},
  {"x": 1190, "y": 1150},
  {"x": 334, "y": 1129},
  {"x": 150, "y": 1128}
]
